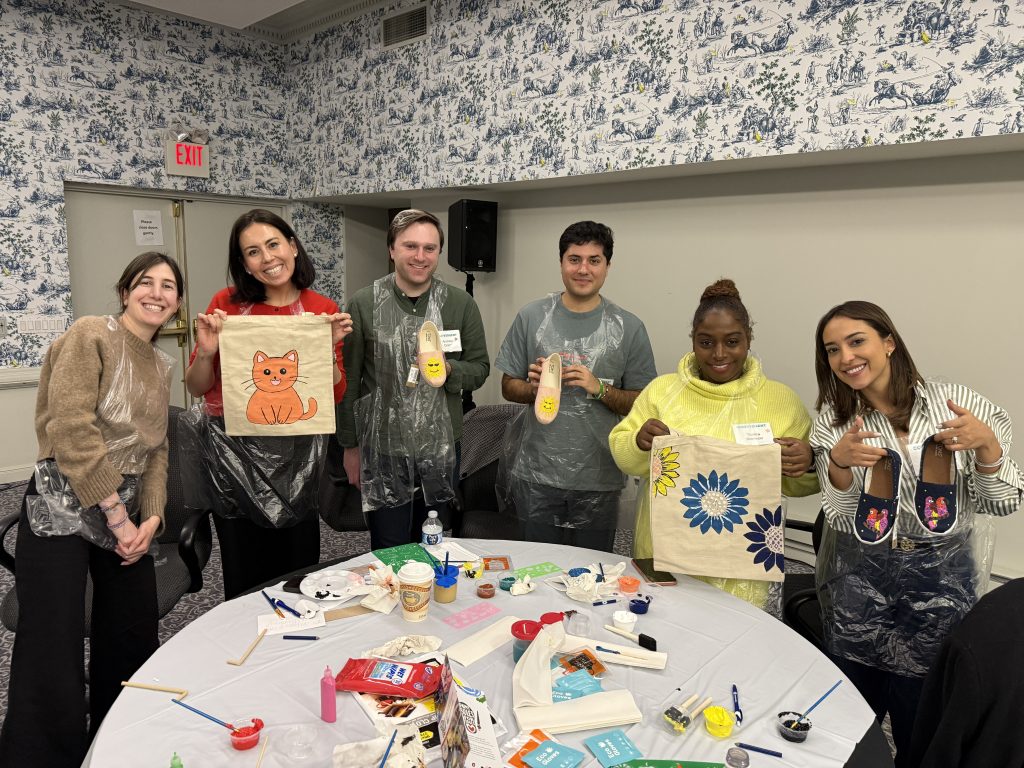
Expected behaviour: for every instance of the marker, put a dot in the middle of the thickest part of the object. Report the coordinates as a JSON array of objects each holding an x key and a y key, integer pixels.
[
  {"x": 288, "y": 608},
  {"x": 272, "y": 603},
  {"x": 604, "y": 602},
  {"x": 299, "y": 637},
  {"x": 762, "y": 750}
]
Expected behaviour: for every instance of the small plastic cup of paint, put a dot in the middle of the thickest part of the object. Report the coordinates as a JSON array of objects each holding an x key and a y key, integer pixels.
[
  {"x": 246, "y": 734},
  {"x": 506, "y": 582},
  {"x": 523, "y": 633},
  {"x": 624, "y": 620},
  {"x": 446, "y": 583},
  {"x": 719, "y": 722},
  {"x": 628, "y": 584},
  {"x": 791, "y": 728}
]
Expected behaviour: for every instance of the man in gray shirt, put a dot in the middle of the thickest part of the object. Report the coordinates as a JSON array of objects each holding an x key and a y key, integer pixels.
[{"x": 564, "y": 483}]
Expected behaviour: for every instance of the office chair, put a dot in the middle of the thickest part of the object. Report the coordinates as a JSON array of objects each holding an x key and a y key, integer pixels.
[{"x": 184, "y": 546}]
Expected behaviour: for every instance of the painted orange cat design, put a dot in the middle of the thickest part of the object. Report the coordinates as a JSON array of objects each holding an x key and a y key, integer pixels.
[{"x": 275, "y": 400}]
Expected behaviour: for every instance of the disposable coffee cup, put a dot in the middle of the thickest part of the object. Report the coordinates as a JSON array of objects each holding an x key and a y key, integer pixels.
[{"x": 415, "y": 581}]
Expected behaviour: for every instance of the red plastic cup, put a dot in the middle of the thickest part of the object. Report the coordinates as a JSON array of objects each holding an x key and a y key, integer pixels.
[{"x": 247, "y": 736}]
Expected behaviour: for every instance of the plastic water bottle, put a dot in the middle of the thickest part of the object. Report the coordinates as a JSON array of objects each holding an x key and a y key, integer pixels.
[{"x": 433, "y": 532}]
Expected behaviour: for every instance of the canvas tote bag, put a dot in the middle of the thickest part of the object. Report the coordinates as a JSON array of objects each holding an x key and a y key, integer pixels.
[
  {"x": 716, "y": 508},
  {"x": 277, "y": 375}
]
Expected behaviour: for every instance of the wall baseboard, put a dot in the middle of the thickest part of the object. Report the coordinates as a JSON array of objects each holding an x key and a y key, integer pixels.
[{"x": 15, "y": 474}]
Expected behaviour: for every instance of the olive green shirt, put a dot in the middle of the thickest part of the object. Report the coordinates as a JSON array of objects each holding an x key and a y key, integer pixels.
[{"x": 470, "y": 367}]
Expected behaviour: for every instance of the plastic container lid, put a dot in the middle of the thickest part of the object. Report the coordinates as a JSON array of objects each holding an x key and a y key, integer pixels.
[
  {"x": 432, "y": 513},
  {"x": 526, "y": 629},
  {"x": 553, "y": 617}
]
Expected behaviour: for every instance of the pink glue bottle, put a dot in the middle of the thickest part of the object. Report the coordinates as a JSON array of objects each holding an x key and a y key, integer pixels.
[{"x": 328, "y": 697}]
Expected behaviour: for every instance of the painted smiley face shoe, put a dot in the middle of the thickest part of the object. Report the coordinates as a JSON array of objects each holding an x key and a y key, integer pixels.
[
  {"x": 549, "y": 393},
  {"x": 429, "y": 357},
  {"x": 935, "y": 495},
  {"x": 879, "y": 502}
]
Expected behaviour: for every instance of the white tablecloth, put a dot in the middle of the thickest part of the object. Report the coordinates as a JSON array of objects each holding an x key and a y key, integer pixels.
[{"x": 713, "y": 640}]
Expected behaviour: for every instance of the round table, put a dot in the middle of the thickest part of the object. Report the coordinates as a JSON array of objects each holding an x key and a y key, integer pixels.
[{"x": 713, "y": 641}]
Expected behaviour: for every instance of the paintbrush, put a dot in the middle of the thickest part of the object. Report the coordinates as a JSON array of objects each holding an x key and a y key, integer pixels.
[{"x": 644, "y": 641}]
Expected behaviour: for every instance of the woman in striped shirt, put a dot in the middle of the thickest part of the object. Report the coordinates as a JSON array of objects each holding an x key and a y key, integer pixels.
[{"x": 911, "y": 472}]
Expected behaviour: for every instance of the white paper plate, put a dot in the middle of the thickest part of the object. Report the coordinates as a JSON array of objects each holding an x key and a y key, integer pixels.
[{"x": 333, "y": 586}]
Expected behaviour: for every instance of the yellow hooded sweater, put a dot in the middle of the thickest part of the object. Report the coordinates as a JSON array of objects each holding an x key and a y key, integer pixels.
[{"x": 688, "y": 404}]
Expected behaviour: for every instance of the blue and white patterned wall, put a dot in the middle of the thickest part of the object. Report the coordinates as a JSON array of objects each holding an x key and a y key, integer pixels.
[
  {"x": 531, "y": 89},
  {"x": 88, "y": 91},
  {"x": 503, "y": 90}
]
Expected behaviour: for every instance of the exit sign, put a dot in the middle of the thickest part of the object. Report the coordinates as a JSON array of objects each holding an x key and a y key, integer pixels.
[{"x": 184, "y": 159}]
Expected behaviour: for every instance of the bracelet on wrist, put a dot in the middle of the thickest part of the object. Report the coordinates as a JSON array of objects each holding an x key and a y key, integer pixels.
[
  {"x": 994, "y": 465},
  {"x": 836, "y": 462},
  {"x": 119, "y": 523},
  {"x": 601, "y": 392},
  {"x": 112, "y": 507}
]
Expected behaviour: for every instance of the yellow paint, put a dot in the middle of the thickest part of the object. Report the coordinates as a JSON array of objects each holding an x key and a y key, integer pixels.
[
  {"x": 719, "y": 721},
  {"x": 547, "y": 405},
  {"x": 434, "y": 366}
]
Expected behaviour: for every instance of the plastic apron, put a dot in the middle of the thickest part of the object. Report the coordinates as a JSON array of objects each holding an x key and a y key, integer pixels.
[
  {"x": 571, "y": 452},
  {"x": 55, "y": 510},
  {"x": 272, "y": 481},
  {"x": 405, "y": 433},
  {"x": 890, "y": 607}
]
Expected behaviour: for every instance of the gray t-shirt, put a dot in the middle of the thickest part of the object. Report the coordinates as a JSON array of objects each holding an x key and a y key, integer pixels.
[{"x": 572, "y": 452}]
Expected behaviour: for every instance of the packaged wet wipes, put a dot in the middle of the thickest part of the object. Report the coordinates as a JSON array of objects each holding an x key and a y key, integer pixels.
[{"x": 383, "y": 676}]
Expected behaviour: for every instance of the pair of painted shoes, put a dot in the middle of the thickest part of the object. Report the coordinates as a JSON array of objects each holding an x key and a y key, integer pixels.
[
  {"x": 934, "y": 497},
  {"x": 429, "y": 357},
  {"x": 549, "y": 391}
]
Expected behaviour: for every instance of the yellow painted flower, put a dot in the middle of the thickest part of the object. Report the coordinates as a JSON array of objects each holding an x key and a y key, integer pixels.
[{"x": 663, "y": 470}]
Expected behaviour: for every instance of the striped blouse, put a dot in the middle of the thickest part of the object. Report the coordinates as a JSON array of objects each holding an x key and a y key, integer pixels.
[{"x": 998, "y": 493}]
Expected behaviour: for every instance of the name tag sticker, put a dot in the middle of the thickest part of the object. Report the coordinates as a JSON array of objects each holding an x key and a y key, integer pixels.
[
  {"x": 451, "y": 341},
  {"x": 759, "y": 433}
]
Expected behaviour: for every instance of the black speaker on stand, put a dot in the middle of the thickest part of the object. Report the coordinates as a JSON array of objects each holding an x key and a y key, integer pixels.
[{"x": 472, "y": 247}]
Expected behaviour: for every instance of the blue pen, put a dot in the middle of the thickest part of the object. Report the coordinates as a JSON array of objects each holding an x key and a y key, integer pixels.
[
  {"x": 604, "y": 602},
  {"x": 272, "y": 603},
  {"x": 288, "y": 608},
  {"x": 736, "y": 705},
  {"x": 762, "y": 750},
  {"x": 299, "y": 637}
]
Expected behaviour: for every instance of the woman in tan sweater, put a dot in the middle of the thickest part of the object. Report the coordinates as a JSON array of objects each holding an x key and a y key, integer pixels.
[{"x": 101, "y": 423}]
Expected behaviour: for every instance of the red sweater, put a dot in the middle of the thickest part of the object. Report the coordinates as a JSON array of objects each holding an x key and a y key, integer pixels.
[{"x": 308, "y": 301}]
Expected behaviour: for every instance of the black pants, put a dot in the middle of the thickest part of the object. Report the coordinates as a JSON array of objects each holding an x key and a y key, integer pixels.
[
  {"x": 251, "y": 554},
  {"x": 563, "y": 516},
  {"x": 46, "y": 711},
  {"x": 394, "y": 526},
  {"x": 887, "y": 692}
]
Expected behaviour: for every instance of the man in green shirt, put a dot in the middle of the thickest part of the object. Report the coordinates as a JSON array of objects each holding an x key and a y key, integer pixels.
[{"x": 401, "y": 435}]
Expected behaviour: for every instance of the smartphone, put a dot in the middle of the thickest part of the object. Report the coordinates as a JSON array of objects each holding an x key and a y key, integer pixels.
[{"x": 646, "y": 567}]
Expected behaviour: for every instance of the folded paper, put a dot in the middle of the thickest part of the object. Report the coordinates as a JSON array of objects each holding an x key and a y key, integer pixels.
[
  {"x": 479, "y": 644},
  {"x": 534, "y": 707}
]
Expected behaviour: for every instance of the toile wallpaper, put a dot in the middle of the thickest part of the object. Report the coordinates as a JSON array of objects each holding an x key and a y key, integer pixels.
[{"x": 502, "y": 90}]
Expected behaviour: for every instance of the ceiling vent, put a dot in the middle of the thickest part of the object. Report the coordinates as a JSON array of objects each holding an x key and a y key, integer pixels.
[{"x": 404, "y": 28}]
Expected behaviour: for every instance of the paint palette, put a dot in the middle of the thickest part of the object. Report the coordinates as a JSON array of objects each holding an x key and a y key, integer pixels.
[{"x": 333, "y": 585}]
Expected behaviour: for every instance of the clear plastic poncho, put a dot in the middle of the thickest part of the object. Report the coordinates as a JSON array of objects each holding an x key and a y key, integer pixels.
[
  {"x": 890, "y": 606},
  {"x": 272, "y": 481},
  {"x": 571, "y": 453},
  {"x": 405, "y": 433},
  {"x": 55, "y": 510}
]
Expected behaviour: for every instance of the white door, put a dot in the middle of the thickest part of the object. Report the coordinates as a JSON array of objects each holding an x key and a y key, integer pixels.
[{"x": 102, "y": 240}]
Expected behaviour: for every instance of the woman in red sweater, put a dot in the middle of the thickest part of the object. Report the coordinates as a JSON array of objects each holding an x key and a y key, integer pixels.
[{"x": 263, "y": 490}]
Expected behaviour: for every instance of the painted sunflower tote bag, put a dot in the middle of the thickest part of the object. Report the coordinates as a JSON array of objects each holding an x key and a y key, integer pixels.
[
  {"x": 277, "y": 375},
  {"x": 716, "y": 508}
]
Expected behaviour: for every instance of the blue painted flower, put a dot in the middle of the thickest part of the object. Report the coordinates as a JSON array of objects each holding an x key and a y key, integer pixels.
[
  {"x": 766, "y": 533},
  {"x": 714, "y": 502}
]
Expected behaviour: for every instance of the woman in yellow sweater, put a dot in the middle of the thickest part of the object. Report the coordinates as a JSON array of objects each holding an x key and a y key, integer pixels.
[{"x": 716, "y": 386}]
